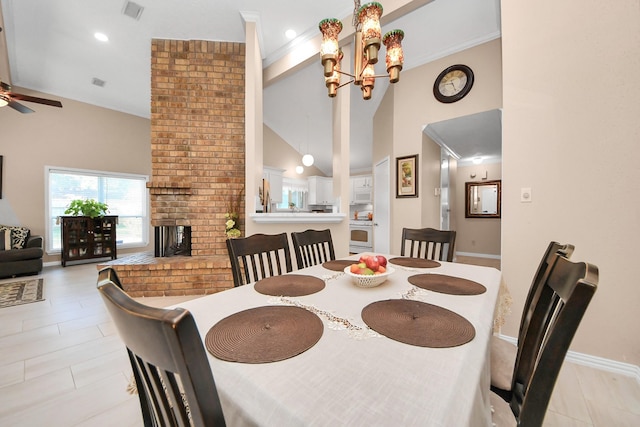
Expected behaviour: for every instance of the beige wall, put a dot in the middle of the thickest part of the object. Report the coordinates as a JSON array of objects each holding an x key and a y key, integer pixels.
[
  {"x": 476, "y": 235},
  {"x": 383, "y": 134},
  {"x": 76, "y": 136},
  {"x": 279, "y": 154},
  {"x": 413, "y": 107},
  {"x": 571, "y": 133},
  {"x": 429, "y": 175}
]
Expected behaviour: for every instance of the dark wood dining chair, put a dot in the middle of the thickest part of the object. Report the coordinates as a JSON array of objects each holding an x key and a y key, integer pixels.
[
  {"x": 109, "y": 273},
  {"x": 428, "y": 243},
  {"x": 312, "y": 247},
  {"x": 503, "y": 353},
  {"x": 563, "y": 297},
  {"x": 259, "y": 256},
  {"x": 173, "y": 377}
]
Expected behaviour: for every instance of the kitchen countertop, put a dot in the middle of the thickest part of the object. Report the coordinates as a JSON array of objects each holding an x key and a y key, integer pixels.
[
  {"x": 360, "y": 222},
  {"x": 297, "y": 217}
]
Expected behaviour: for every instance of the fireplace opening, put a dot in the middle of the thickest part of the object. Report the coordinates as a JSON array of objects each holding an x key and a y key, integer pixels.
[{"x": 172, "y": 240}]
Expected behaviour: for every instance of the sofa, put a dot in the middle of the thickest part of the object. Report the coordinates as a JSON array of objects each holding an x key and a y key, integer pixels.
[{"x": 20, "y": 252}]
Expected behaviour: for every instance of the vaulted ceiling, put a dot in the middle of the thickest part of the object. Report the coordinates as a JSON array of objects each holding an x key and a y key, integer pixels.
[{"x": 50, "y": 48}]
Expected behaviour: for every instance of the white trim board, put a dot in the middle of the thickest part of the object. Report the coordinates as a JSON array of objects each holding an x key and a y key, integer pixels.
[{"x": 626, "y": 369}]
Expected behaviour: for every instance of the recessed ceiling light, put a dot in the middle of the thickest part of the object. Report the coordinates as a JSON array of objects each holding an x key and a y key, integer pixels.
[
  {"x": 290, "y": 34},
  {"x": 101, "y": 36}
]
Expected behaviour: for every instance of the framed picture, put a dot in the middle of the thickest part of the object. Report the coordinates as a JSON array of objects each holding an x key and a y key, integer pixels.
[{"x": 407, "y": 176}]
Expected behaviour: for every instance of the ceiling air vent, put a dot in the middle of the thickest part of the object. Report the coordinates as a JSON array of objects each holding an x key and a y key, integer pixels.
[
  {"x": 96, "y": 81},
  {"x": 132, "y": 10}
]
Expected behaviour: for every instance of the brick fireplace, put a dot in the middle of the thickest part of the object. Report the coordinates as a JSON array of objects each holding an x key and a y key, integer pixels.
[{"x": 198, "y": 155}]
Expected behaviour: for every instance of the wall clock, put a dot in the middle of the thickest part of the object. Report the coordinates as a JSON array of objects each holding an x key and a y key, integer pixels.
[{"x": 453, "y": 83}]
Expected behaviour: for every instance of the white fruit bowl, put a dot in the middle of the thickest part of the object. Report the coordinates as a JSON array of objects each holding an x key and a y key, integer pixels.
[{"x": 369, "y": 281}]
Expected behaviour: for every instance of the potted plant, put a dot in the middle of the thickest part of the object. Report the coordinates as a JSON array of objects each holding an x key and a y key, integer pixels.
[{"x": 87, "y": 207}]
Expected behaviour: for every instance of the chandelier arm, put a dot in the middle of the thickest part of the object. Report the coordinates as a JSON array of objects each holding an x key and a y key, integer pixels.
[
  {"x": 346, "y": 83},
  {"x": 346, "y": 74},
  {"x": 378, "y": 76}
]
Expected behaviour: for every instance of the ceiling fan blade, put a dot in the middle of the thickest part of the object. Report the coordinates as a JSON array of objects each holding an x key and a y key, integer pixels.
[
  {"x": 19, "y": 107},
  {"x": 35, "y": 99},
  {"x": 5, "y": 86}
]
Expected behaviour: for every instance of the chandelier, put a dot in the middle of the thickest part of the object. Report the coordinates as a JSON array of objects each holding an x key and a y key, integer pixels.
[{"x": 366, "y": 21}]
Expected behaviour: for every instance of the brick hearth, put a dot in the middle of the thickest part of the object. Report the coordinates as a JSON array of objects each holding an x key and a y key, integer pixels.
[{"x": 143, "y": 275}]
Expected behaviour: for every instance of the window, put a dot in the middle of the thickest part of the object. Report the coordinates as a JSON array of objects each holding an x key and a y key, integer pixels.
[
  {"x": 294, "y": 191},
  {"x": 125, "y": 194}
]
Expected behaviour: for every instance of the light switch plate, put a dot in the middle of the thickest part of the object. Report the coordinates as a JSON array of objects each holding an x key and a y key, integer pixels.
[{"x": 525, "y": 195}]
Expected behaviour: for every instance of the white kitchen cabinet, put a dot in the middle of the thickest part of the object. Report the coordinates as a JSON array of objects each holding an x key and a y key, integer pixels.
[
  {"x": 361, "y": 190},
  {"x": 320, "y": 190},
  {"x": 274, "y": 176}
]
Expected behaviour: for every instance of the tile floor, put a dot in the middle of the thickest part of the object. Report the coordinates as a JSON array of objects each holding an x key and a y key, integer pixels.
[{"x": 62, "y": 364}]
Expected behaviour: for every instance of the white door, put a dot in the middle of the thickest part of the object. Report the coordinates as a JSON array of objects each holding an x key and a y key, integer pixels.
[{"x": 381, "y": 207}]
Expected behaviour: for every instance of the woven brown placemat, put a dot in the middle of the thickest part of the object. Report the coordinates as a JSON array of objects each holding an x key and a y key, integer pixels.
[
  {"x": 264, "y": 334},
  {"x": 418, "y": 323},
  {"x": 289, "y": 285},
  {"x": 338, "y": 264},
  {"x": 447, "y": 284},
  {"x": 414, "y": 262}
]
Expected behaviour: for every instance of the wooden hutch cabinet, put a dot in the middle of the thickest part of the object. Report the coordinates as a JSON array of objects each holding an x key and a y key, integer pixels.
[{"x": 84, "y": 238}]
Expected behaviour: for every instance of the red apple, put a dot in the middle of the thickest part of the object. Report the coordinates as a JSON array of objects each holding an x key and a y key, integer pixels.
[
  {"x": 372, "y": 263},
  {"x": 382, "y": 260}
]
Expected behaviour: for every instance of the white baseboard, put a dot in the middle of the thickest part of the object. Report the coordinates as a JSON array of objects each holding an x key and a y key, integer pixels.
[
  {"x": 596, "y": 362},
  {"x": 477, "y": 255}
]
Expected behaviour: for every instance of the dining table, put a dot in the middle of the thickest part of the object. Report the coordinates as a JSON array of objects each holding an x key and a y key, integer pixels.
[{"x": 315, "y": 348}]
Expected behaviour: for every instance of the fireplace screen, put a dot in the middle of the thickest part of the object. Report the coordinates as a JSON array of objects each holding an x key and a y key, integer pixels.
[{"x": 172, "y": 241}]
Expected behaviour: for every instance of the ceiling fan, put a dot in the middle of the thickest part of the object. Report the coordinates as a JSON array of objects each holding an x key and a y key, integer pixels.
[{"x": 9, "y": 98}]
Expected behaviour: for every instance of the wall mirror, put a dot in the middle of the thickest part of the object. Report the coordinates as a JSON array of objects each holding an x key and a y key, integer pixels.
[{"x": 482, "y": 199}]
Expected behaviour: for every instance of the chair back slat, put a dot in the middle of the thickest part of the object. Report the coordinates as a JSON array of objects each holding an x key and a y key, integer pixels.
[
  {"x": 258, "y": 257},
  {"x": 174, "y": 380},
  {"x": 428, "y": 243},
  {"x": 313, "y": 247},
  {"x": 563, "y": 298}
]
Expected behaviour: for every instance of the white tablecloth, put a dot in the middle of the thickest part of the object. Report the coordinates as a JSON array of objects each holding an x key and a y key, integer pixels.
[{"x": 358, "y": 378}]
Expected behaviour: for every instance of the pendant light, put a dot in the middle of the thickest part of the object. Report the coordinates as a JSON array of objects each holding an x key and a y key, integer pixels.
[{"x": 307, "y": 160}]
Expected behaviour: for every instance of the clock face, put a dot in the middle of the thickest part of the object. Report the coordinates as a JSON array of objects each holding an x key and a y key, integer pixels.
[{"x": 453, "y": 83}]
